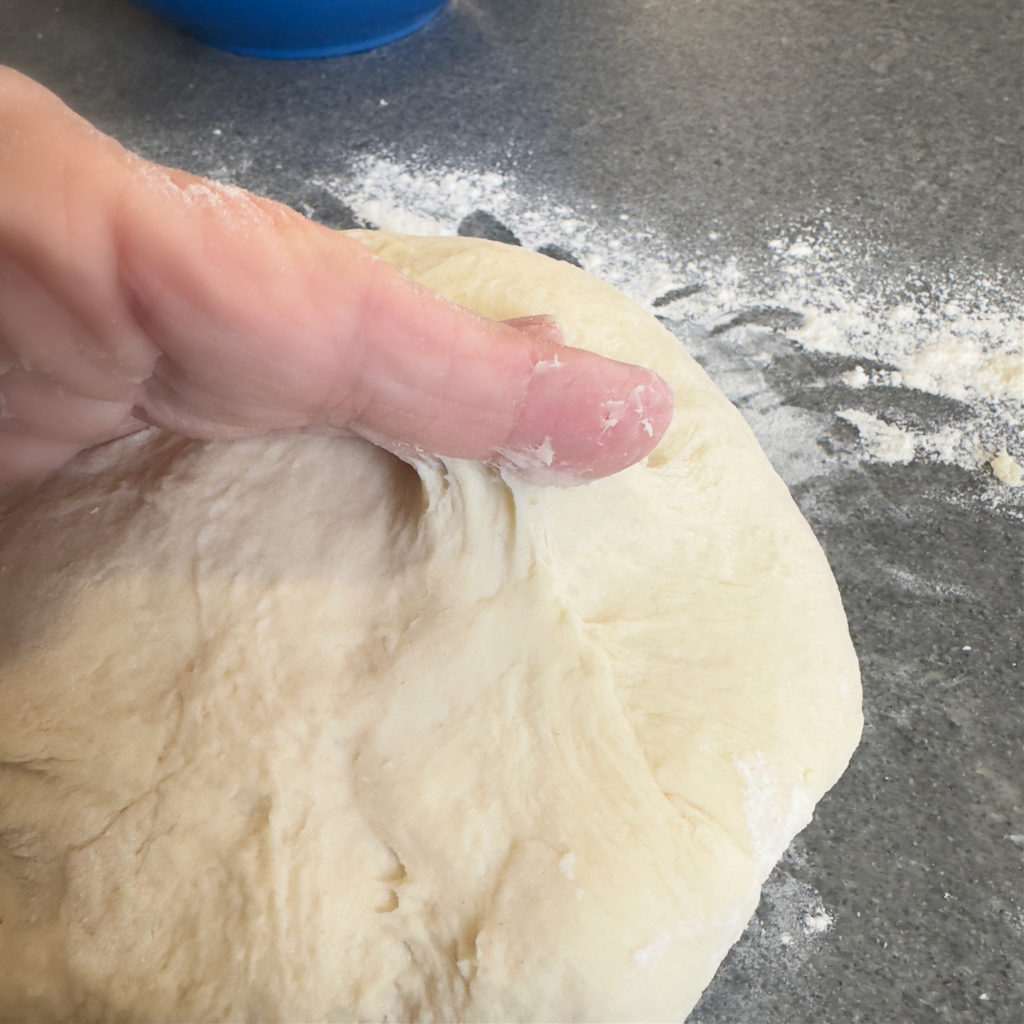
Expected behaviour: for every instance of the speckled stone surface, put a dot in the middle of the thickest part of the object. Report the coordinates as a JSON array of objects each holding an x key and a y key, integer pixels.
[{"x": 736, "y": 119}]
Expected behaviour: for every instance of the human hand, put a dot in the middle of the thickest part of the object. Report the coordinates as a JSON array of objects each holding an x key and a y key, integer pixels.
[{"x": 133, "y": 294}]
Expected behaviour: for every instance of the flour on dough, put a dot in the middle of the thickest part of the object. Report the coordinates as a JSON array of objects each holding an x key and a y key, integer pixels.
[{"x": 293, "y": 730}]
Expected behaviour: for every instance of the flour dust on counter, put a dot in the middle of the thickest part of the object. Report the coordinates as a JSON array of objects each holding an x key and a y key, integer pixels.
[
  {"x": 830, "y": 372},
  {"x": 292, "y": 729}
]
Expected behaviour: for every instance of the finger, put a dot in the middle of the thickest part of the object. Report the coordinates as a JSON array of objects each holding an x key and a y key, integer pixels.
[
  {"x": 456, "y": 384},
  {"x": 274, "y": 322},
  {"x": 203, "y": 309}
]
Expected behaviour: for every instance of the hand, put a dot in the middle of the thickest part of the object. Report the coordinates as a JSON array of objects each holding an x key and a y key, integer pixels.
[{"x": 133, "y": 294}]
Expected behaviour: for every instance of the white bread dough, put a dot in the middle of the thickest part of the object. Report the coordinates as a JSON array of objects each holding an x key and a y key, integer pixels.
[{"x": 291, "y": 730}]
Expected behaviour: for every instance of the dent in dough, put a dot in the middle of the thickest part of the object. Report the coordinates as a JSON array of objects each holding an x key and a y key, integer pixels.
[{"x": 290, "y": 729}]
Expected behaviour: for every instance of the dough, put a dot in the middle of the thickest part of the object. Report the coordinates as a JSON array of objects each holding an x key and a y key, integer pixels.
[{"x": 293, "y": 730}]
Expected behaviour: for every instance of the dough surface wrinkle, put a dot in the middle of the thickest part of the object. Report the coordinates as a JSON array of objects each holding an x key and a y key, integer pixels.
[{"x": 293, "y": 729}]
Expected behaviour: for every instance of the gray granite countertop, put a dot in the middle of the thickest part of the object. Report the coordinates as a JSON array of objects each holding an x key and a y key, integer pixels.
[{"x": 726, "y": 132}]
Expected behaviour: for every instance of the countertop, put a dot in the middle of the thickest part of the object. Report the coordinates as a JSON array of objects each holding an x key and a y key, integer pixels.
[{"x": 811, "y": 193}]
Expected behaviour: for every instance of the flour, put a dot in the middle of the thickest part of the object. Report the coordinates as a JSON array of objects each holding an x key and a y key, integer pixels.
[
  {"x": 885, "y": 442},
  {"x": 1007, "y": 469},
  {"x": 909, "y": 372}
]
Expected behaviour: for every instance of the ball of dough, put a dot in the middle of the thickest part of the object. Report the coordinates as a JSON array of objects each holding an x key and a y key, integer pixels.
[{"x": 293, "y": 730}]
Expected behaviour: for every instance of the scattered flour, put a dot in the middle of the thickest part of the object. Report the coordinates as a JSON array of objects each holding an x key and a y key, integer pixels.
[
  {"x": 922, "y": 371},
  {"x": 792, "y": 915},
  {"x": 567, "y": 865},
  {"x": 1007, "y": 469},
  {"x": 884, "y": 441},
  {"x": 817, "y": 922}
]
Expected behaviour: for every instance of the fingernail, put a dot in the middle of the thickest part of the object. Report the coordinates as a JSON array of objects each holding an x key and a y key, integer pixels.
[{"x": 540, "y": 327}]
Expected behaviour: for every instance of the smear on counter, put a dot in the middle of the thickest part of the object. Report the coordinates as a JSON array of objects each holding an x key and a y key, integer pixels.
[{"x": 827, "y": 373}]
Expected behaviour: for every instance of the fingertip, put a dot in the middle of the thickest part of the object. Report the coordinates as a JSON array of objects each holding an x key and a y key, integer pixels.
[{"x": 586, "y": 417}]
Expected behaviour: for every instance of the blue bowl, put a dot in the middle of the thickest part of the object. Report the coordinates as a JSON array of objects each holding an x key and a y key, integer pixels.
[{"x": 296, "y": 28}]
